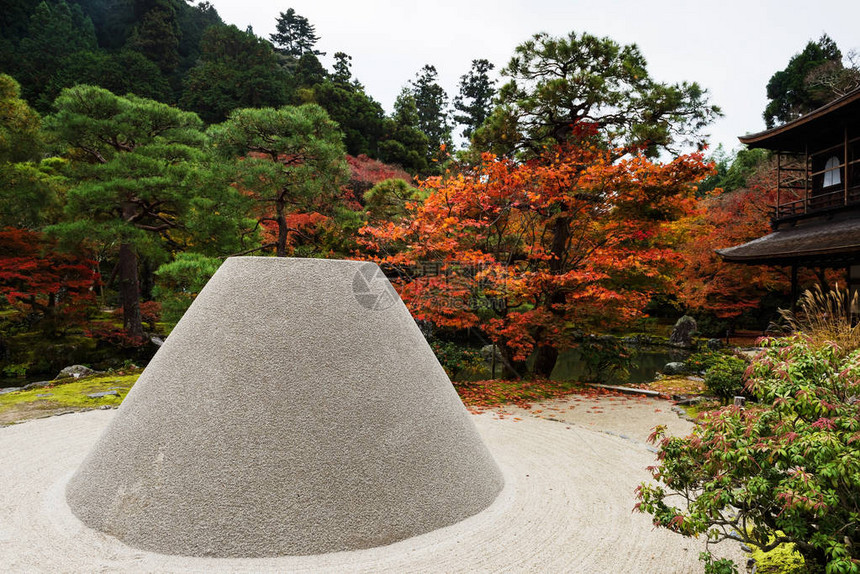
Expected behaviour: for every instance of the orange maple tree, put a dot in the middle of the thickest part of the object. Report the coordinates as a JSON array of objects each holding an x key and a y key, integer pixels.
[
  {"x": 535, "y": 252},
  {"x": 721, "y": 220}
]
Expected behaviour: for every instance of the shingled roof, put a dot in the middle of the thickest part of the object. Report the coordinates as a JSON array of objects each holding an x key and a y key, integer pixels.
[
  {"x": 811, "y": 129},
  {"x": 827, "y": 240}
]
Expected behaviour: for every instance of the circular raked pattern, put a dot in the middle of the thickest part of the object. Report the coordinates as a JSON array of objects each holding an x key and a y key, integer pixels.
[{"x": 566, "y": 507}]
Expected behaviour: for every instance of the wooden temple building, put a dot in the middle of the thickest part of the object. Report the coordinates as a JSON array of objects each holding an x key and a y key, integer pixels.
[{"x": 816, "y": 219}]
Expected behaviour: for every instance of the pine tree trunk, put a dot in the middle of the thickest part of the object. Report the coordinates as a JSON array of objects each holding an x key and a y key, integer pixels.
[
  {"x": 282, "y": 232},
  {"x": 129, "y": 292}
]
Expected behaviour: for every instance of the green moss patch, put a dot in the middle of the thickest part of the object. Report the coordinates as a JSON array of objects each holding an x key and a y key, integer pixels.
[{"x": 65, "y": 395}]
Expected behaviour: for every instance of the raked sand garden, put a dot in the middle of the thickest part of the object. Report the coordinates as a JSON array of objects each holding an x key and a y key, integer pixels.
[{"x": 570, "y": 465}]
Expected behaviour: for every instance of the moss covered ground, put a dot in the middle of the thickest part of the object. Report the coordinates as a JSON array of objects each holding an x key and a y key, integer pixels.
[{"x": 65, "y": 395}]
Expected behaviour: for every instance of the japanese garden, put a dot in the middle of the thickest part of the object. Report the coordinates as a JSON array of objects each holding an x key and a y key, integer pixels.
[{"x": 557, "y": 242}]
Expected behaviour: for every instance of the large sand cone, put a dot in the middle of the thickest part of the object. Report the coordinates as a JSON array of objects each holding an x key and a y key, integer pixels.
[{"x": 295, "y": 409}]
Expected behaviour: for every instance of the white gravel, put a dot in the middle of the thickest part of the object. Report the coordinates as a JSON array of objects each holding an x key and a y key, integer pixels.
[
  {"x": 566, "y": 507},
  {"x": 285, "y": 415}
]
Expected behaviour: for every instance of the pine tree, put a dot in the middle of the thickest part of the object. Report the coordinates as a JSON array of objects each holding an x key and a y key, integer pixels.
[
  {"x": 475, "y": 97},
  {"x": 295, "y": 35},
  {"x": 431, "y": 104},
  {"x": 139, "y": 183}
]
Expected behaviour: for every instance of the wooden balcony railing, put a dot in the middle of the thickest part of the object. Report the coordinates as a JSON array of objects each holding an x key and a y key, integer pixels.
[
  {"x": 816, "y": 202},
  {"x": 799, "y": 187}
]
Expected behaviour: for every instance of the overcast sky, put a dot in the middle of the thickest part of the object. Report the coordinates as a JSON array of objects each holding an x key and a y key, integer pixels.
[{"x": 731, "y": 47}]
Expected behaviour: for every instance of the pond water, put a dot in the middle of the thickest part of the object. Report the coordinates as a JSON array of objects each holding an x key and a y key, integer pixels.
[{"x": 647, "y": 364}]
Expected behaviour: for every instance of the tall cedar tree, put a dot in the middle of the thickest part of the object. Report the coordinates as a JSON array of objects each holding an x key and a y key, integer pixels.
[
  {"x": 157, "y": 33},
  {"x": 431, "y": 103},
  {"x": 403, "y": 142},
  {"x": 54, "y": 32},
  {"x": 557, "y": 84},
  {"x": 135, "y": 183},
  {"x": 474, "y": 102},
  {"x": 289, "y": 160}
]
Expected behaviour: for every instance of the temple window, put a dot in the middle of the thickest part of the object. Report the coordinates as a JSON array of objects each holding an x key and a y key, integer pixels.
[{"x": 832, "y": 173}]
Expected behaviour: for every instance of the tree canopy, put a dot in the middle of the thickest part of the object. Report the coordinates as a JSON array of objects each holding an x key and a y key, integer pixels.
[
  {"x": 136, "y": 177},
  {"x": 236, "y": 70},
  {"x": 431, "y": 105},
  {"x": 789, "y": 91},
  {"x": 556, "y": 84},
  {"x": 474, "y": 102},
  {"x": 295, "y": 35},
  {"x": 290, "y": 160}
]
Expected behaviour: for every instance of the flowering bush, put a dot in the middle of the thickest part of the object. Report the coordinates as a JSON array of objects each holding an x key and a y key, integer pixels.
[{"x": 785, "y": 471}]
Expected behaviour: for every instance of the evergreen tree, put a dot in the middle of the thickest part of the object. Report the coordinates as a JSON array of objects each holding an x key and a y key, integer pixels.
[
  {"x": 580, "y": 86},
  {"x": 54, "y": 31},
  {"x": 295, "y": 36},
  {"x": 236, "y": 70},
  {"x": 157, "y": 35},
  {"x": 788, "y": 91},
  {"x": 29, "y": 191},
  {"x": 20, "y": 126},
  {"x": 137, "y": 184},
  {"x": 307, "y": 71},
  {"x": 475, "y": 97},
  {"x": 113, "y": 19},
  {"x": 342, "y": 69},
  {"x": 431, "y": 103},
  {"x": 194, "y": 19},
  {"x": 403, "y": 142},
  {"x": 360, "y": 117},
  {"x": 124, "y": 72},
  {"x": 291, "y": 161}
]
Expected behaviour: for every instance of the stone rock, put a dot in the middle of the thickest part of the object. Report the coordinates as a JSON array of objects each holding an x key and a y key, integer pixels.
[
  {"x": 639, "y": 340},
  {"x": 295, "y": 409},
  {"x": 487, "y": 354},
  {"x": 10, "y": 390},
  {"x": 45, "y": 395},
  {"x": 157, "y": 341},
  {"x": 103, "y": 394},
  {"x": 75, "y": 372},
  {"x": 683, "y": 332},
  {"x": 37, "y": 385},
  {"x": 715, "y": 344},
  {"x": 674, "y": 368},
  {"x": 686, "y": 401}
]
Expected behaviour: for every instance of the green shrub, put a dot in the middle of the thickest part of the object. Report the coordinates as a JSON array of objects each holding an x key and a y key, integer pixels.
[
  {"x": 787, "y": 471},
  {"x": 15, "y": 370},
  {"x": 721, "y": 566},
  {"x": 724, "y": 377},
  {"x": 454, "y": 358},
  {"x": 701, "y": 361},
  {"x": 605, "y": 358},
  {"x": 784, "y": 559},
  {"x": 179, "y": 282}
]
